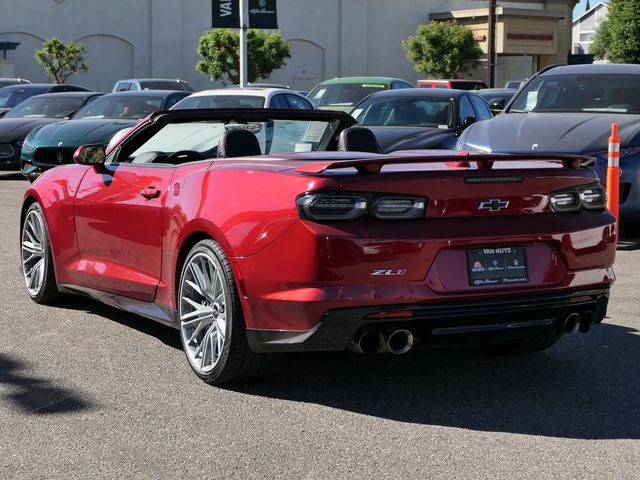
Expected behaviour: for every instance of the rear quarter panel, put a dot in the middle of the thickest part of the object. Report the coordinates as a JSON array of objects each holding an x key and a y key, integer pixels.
[{"x": 243, "y": 207}]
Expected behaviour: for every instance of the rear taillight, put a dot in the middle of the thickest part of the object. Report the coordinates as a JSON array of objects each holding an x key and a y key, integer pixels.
[
  {"x": 326, "y": 206},
  {"x": 591, "y": 197},
  {"x": 398, "y": 208},
  {"x": 330, "y": 206}
]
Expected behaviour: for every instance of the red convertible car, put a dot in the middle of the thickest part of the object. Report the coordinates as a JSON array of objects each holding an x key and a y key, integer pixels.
[{"x": 257, "y": 232}]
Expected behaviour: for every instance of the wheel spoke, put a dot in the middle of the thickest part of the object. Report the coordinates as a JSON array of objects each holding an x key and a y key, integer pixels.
[
  {"x": 197, "y": 330},
  {"x": 199, "y": 314},
  {"x": 31, "y": 274},
  {"x": 30, "y": 247}
]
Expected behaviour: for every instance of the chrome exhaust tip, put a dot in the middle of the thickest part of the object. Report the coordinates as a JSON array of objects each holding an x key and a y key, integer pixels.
[
  {"x": 369, "y": 341},
  {"x": 400, "y": 342},
  {"x": 571, "y": 322}
]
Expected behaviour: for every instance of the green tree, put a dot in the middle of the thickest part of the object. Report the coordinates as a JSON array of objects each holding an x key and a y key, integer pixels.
[
  {"x": 624, "y": 30},
  {"x": 220, "y": 52},
  {"x": 443, "y": 49},
  {"x": 601, "y": 41},
  {"x": 61, "y": 60}
]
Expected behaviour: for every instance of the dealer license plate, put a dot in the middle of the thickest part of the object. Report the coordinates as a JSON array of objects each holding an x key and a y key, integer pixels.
[{"x": 497, "y": 265}]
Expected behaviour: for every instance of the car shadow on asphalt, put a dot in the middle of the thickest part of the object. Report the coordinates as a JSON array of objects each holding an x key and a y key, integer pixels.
[
  {"x": 167, "y": 335},
  {"x": 587, "y": 386},
  {"x": 36, "y": 395}
]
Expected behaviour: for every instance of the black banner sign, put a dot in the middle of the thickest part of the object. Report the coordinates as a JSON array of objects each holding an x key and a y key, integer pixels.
[{"x": 226, "y": 14}]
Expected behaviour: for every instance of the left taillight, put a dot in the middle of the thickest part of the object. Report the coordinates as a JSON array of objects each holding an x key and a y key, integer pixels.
[
  {"x": 332, "y": 206},
  {"x": 590, "y": 197}
]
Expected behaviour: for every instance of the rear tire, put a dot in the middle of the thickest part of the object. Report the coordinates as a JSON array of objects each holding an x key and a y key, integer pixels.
[
  {"x": 212, "y": 327},
  {"x": 37, "y": 262},
  {"x": 523, "y": 346}
]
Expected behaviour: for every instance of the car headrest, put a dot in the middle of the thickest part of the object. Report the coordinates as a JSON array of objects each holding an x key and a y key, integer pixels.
[
  {"x": 358, "y": 139},
  {"x": 238, "y": 143}
]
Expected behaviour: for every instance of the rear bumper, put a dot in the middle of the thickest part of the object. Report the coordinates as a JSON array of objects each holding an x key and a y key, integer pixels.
[{"x": 440, "y": 323}]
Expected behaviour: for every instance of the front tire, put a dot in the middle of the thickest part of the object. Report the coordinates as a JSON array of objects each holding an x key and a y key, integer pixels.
[
  {"x": 212, "y": 327},
  {"x": 37, "y": 263}
]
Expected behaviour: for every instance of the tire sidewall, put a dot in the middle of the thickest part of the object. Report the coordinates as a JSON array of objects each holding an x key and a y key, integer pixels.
[
  {"x": 46, "y": 246},
  {"x": 213, "y": 250}
]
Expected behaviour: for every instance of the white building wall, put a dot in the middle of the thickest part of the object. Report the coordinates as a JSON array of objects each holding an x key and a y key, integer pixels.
[{"x": 157, "y": 38}]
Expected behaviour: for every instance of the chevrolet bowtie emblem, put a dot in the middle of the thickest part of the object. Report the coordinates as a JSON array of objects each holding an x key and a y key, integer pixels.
[{"x": 493, "y": 205}]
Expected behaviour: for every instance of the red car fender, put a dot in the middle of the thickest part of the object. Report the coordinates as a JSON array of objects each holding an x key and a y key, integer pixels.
[
  {"x": 57, "y": 202},
  {"x": 206, "y": 203}
]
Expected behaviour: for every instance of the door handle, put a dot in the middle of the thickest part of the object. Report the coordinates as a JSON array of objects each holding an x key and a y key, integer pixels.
[{"x": 150, "y": 192}]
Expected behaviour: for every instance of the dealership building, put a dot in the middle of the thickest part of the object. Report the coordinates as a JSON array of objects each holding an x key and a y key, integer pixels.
[{"x": 328, "y": 38}]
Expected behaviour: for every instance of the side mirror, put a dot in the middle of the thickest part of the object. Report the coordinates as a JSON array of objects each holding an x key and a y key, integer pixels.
[
  {"x": 90, "y": 155},
  {"x": 3, "y": 112},
  {"x": 468, "y": 121},
  {"x": 496, "y": 105}
]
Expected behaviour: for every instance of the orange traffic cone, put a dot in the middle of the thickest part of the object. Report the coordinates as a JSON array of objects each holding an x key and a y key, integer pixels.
[{"x": 613, "y": 172}]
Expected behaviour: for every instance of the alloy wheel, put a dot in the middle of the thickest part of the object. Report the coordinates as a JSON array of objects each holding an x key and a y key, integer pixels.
[
  {"x": 203, "y": 301},
  {"x": 33, "y": 252}
]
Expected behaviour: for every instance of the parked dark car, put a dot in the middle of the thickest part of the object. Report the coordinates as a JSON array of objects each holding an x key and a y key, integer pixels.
[
  {"x": 570, "y": 109},
  {"x": 14, "y": 94},
  {"x": 419, "y": 117},
  {"x": 51, "y": 145},
  {"x": 34, "y": 112},
  {"x": 497, "y": 98}
]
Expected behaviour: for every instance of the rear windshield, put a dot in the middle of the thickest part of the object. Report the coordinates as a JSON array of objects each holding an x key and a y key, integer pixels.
[
  {"x": 343, "y": 95},
  {"x": 221, "y": 101},
  {"x": 422, "y": 112},
  {"x": 586, "y": 92}
]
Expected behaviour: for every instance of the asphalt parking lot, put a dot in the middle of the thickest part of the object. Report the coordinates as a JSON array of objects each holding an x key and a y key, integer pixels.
[{"x": 90, "y": 392}]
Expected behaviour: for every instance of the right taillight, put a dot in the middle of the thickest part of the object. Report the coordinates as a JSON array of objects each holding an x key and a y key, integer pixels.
[{"x": 591, "y": 197}]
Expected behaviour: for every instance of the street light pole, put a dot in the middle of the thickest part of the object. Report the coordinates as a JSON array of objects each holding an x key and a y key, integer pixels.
[
  {"x": 492, "y": 43},
  {"x": 244, "y": 20}
]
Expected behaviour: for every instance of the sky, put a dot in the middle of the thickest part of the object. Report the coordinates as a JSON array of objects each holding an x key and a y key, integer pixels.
[{"x": 579, "y": 10}]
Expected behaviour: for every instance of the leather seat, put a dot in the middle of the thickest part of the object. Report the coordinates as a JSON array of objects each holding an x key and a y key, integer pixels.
[
  {"x": 358, "y": 139},
  {"x": 238, "y": 143}
]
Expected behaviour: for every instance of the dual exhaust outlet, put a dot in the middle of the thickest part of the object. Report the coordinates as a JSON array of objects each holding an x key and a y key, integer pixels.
[
  {"x": 582, "y": 322},
  {"x": 374, "y": 341},
  {"x": 400, "y": 341}
]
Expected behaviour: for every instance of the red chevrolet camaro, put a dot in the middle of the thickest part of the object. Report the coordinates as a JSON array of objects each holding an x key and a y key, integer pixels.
[{"x": 258, "y": 232}]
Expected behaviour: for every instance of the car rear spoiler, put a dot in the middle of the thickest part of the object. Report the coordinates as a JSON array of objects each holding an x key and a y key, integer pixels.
[{"x": 461, "y": 159}]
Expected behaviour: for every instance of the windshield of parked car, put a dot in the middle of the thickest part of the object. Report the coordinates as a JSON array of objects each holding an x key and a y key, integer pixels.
[
  {"x": 35, "y": 107},
  {"x": 131, "y": 107},
  {"x": 201, "y": 137},
  {"x": 165, "y": 85},
  {"x": 605, "y": 93},
  {"x": 343, "y": 95},
  {"x": 10, "y": 97},
  {"x": 395, "y": 112},
  {"x": 220, "y": 101}
]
